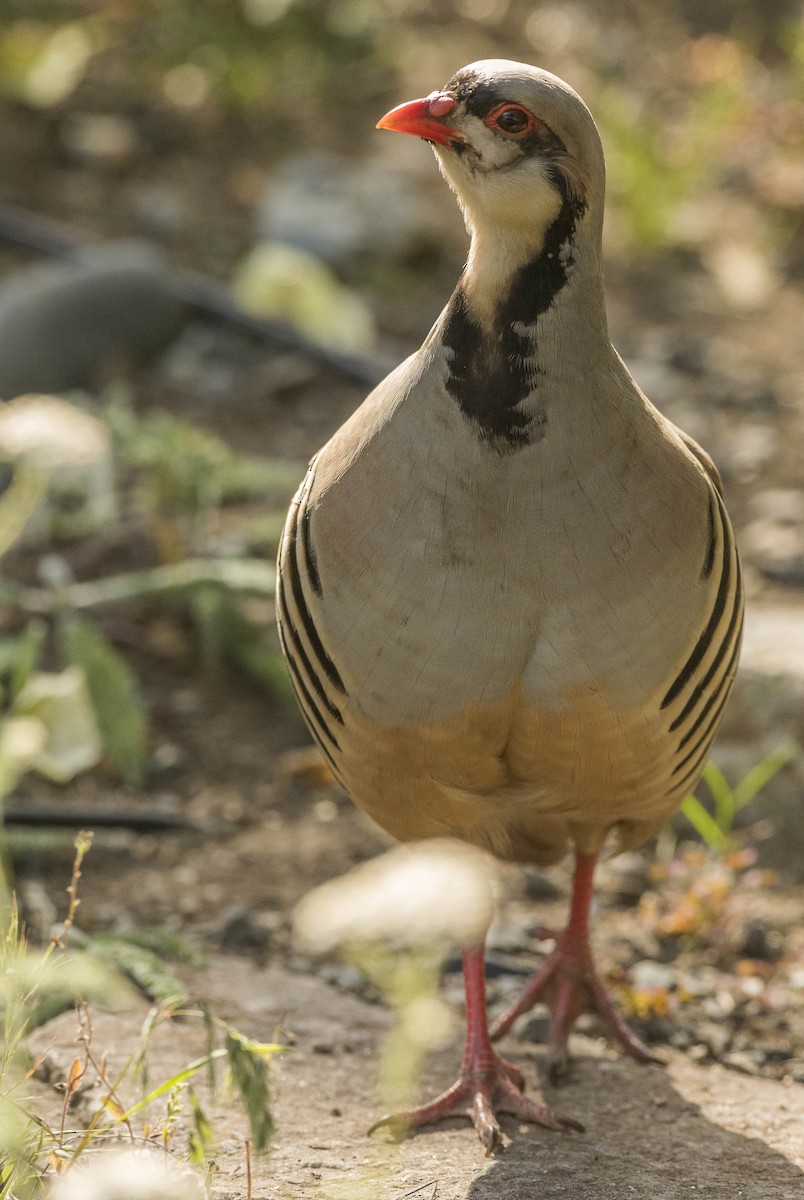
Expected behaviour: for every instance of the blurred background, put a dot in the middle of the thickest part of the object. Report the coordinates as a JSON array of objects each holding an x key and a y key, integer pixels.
[{"x": 207, "y": 252}]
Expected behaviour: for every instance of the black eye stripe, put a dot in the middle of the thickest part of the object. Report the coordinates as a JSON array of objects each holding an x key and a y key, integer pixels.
[{"x": 479, "y": 97}]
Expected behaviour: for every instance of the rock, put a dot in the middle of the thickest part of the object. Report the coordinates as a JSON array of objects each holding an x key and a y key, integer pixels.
[
  {"x": 244, "y": 929},
  {"x": 535, "y": 1029},
  {"x": 744, "y": 1061},
  {"x": 336, "y": 208},
  {"x": 498, "y": 966},
  {"x": 74, "y": 451},
  {"x": 344, "y": 977},
  {"x": 105, "y": 140},
  {"x": 37, "y": 911},
  {"x": 64, "y": 324},
  {"x": 745, "y": 276},
  {"x": 539, "y": 886},
  {"x": 162, "y": 210},
  {"x": 624, "y": 879},
  {"x": 774, "y": 539},
  {"x": 773, "y": 647},
  {"x": 507, "y": 939},
  {"x": 761, "y": 943},
  {"x": 648, "y": 975}
]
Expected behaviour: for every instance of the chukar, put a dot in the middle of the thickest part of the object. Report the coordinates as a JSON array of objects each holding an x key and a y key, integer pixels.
[{"x": 509, "y": 595}]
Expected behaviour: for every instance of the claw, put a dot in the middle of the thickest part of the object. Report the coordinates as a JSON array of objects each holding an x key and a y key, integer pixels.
[
  {"x": 487, "y": 1083},
  {"x": 569, "y": 985},
  {"x": 478, "y": 1095}
]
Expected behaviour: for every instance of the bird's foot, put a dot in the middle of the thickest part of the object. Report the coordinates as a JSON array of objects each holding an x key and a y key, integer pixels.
[
  {"x": 568, "y": 984},
  {"x": 482, "y": 1090}
]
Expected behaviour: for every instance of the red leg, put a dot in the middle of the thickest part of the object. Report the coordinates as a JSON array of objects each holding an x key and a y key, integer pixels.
[
  {"x": 569, "y": 985},
  {"x": 486, "y": 1082}
]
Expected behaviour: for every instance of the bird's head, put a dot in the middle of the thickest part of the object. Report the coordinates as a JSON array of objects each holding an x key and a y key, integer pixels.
[{"x": 515, "y": 143}]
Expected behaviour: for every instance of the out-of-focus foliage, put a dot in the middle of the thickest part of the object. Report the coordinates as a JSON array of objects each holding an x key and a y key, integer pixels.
[
  {"x": 246, "y": 54},
  {"x": 717, "y": 828},
  {"x": 174, "y": 480},
  {"x": 688, "y": 102},
  {"x": 36, "y": 983},
  {"x": 275, "y": 280}
]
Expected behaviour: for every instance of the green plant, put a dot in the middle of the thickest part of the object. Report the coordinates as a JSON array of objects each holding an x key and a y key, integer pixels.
[
  {"x": 656, "y": 165},
  {"x": 175, "y": 479},
  {"x": 716, "y": 828},
  {"x": 28, "y": 978},
  {"x": 31, "y": 979}
]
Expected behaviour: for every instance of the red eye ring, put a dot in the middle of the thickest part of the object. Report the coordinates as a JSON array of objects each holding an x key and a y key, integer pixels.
[{"x": 519, "y": 119}]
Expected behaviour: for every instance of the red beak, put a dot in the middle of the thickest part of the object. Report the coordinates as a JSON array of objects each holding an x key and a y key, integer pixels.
[{"x": 417, "y": 117}]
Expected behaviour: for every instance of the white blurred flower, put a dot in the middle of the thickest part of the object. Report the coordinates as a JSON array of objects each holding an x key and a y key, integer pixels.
[
  {"x": 428, "y": 891},
  {"x": 128, "y": 1175},
  {"x": 60, "y": 704},
  {"x": 54, "y": 447},
  {"x": 21, "y": 739},
  {"x": 52, "y": 434}
]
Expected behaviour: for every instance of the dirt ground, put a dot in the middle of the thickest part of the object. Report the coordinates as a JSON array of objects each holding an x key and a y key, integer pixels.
[
  {"x": 665, "y": 1133},
  {"x": 265, "y": 823}
]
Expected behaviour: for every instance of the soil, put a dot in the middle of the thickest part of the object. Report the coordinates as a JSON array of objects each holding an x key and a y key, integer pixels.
[
  {"x": 266, "y": 822},
  {"x": 661, "y": 1132}
]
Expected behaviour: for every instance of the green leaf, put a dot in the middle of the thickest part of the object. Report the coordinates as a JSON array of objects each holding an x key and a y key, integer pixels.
[
  {"x": 142, "y": 966},
  {"x": 704, "y": 823},
  {"x": 209, "y": 1033},
  {"x": 248, "y": 650},
  {"x": 115, "y": 696},
  {"x": 756, "y": 779},
  {"x": 722, "y": 795},
  {"x": 165, "y": 943},
  {"x": 27, "y": 655},
  {"x": 249, "y": 1072},
  {"x": 226, "y": 633},
  {"x": 201, "y": 1137},
  {"x": 169, "y": 1084},
  {"x": 19, "y": 501}
]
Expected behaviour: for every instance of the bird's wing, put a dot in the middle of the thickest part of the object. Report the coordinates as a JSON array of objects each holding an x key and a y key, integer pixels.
[{"x": 706, "y": 460}]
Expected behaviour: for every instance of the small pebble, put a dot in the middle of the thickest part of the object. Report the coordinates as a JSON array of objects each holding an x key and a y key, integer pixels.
[
  {"x": 539, "y": 886},
  {"x": 742, "y": 1060},
  {"x": 243, "y": 929},
  {"x": 759, "y": 943},
  {"x": 535, "y": 1029},
  {"x": 342, "y": 976}
]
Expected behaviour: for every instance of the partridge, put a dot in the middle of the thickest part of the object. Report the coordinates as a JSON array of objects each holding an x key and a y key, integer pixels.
[{"x": 509, "y": 596}]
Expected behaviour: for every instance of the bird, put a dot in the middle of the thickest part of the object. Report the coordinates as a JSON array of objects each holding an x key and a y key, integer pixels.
[{"x": 508, "y": 591}]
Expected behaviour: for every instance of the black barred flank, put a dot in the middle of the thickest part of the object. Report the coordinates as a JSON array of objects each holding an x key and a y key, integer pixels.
[
  {"x": 706, "y": 738},
  {"x": 693, "y": 772},
  {"x": 292, "y": 569},
  {"x": 703, "y": 745},
  {"x": 310, "y": 710},
  {"x": 705, "y": 640},
  {"x": 286, "y": 625},
  {"x": 735, "y": 625},
  {"x": 709, "y": 561},
  {"x": 719, "y": 692},
  {"x": 310, "y": 561}
]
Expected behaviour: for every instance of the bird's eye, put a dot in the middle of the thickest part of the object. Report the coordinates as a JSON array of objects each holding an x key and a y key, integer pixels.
[{"x": 512, "y": 120}]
